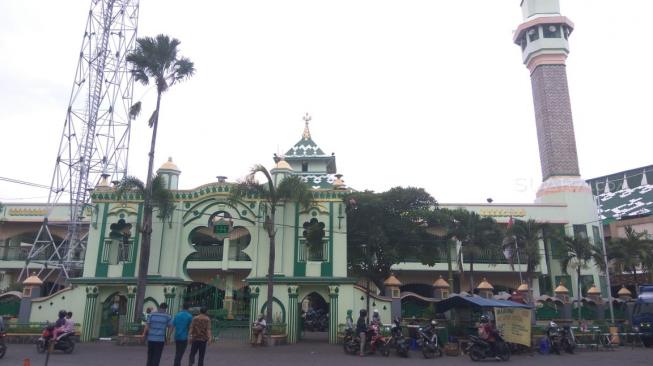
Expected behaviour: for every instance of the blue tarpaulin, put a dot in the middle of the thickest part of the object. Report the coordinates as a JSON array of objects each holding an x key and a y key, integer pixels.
[{"x": 466, "y": 301}]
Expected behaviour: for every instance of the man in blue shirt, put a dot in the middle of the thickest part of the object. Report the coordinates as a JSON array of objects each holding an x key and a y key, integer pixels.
[
  {"x": 181, "y": 323},
  {"x": 155, "y": 331}
]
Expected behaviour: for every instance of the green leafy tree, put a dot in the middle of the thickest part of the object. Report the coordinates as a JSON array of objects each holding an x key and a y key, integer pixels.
[
  {"x": 579, "y": 253},
  {"x": 290, "y": 189},
  {"x": 477, "y": 236},
  {"x": 387, "y": 228},
  {"x": 632, "y": 252},
  {"x": 154, "y": 59},
  {"x": 527, "y": 235}
]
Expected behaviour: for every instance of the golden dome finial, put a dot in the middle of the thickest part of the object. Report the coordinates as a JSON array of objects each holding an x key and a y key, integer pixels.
[{"x": 307, "y": 133}]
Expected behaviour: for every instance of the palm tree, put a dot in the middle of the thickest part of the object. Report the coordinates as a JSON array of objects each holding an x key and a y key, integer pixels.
[
  {"x": 579, "y": 253},
  {"x": 475, "y": 234},
  {"x": 631, "y": 252},
  {"x": 291, "y": 188},
  {"x": 528, "y": 235},
  {"x": 162, "y": 198},
  {"x": 154, "y": 58}
]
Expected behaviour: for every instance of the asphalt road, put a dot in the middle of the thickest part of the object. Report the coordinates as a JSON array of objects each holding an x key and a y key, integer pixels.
[{"x": 304, "y": 354}]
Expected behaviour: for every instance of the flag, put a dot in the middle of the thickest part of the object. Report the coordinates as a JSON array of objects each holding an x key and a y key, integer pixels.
[{"x": 510, "y": 223}]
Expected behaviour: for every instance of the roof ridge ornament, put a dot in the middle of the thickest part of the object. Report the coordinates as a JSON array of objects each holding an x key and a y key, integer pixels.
[{"x": 307, "y": 133}]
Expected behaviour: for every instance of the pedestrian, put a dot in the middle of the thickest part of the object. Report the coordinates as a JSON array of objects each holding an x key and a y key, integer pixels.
[
  {"x": 361, "y": 329},
  {"x": 200, "y": 335},
  {"x": 181, "y": 323},
  {"x": 155, "y": 331},
  {"x": 258, "y": 328}
]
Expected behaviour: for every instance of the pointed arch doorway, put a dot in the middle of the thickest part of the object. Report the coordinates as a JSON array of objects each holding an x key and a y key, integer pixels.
[{"x": 314, "y": 318}]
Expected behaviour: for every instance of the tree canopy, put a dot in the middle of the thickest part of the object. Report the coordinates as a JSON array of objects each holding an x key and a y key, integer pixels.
[{"x": 387, "y": 228}]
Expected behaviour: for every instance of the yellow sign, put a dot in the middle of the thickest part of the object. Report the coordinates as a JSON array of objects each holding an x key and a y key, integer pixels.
[
  {"x": 514, "y": 324},
  {"x": 27, "y": 212},
  {"x": 502, "y": 212}
]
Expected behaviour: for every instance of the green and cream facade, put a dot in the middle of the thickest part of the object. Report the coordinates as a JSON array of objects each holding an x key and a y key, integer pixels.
[{"x": 185, "y": 252}]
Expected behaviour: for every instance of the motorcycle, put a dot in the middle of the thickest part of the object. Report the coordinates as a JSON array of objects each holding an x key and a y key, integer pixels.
[
  {"x": 478, "y": 349},
  {"x": 374, "y": 342},
  {"x": 3, "y": 344},
  {"x": 350, "y": 342},
  {"x": 316, "y": 320},
  {"x": 427, "y": 340},
  {"x": 64, "y": 341},
  {"x": 561, "y": 339},
  {"x": 397, "y": 339}
]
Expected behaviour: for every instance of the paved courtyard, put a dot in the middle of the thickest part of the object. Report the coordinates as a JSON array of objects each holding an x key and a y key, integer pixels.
[{"x": 305, "y": 354}]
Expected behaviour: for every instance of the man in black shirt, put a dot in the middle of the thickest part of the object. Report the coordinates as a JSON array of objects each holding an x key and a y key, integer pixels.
[{"x": 361, "y": 329}]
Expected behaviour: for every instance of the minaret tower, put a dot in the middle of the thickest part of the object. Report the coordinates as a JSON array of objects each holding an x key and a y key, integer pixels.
[{"x": 544, "y": 40}]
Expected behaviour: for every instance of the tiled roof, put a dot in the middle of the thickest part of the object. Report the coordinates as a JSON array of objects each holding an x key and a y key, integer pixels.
[{"x": 306, "y": 147}]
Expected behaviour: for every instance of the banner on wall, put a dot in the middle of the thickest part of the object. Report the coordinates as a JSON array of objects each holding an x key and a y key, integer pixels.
[{"x": 514, "y": 324}]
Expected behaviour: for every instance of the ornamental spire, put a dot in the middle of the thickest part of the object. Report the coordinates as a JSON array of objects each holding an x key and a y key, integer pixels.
[{"x": 307, "y": 133}]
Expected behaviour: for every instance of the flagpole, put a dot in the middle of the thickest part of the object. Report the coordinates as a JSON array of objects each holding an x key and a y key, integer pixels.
[{"x": 521, "y": 280}]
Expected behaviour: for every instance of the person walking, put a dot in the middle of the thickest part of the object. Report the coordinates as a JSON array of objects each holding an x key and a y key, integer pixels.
[
  {"x": 181, "y": 323},
  {"x": 361, "y": 330},
  {"x": 155, "y": 331},
  {"x": 200, "y": 335}
]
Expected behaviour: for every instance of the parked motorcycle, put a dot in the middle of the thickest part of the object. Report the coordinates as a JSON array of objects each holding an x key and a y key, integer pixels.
[
  {"x": 350, "y": 342},
  {"x": 375, "y": 342},
  {"x": 64, "y": 342},
  {"x": 397, "y": 339},
  {"x": 479, "y": 349},
  {"x": 427, "y": 340},
  {"x": 3, "y": 344},
  {"x": 316, "y": 320},
  {"x": 561, "y": 339}
]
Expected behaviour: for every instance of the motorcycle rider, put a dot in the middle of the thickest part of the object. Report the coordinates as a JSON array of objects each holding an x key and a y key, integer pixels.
[
  {"x": 60, "y": 324},
  {"x": 487, "y": 333},
  {"x": 350, "y": 320},
  {"x": 552, "y": 330},
  {"x": 376, "y": 318},
  {"x": 361, "y": 330}
]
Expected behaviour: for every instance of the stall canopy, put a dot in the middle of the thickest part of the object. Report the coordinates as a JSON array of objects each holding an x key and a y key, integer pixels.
[{"x": 465, "y": 301}]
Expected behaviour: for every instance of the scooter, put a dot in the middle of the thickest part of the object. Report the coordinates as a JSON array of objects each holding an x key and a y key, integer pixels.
[
  {"x": 561, "y": 339},
  {"x": 427, "y": 340},
  {"x": 374, "y": 342},
  {"x": 64, "y": 341},
  {"x": 397, "y": 339},
  {"x": 479, "y": 349},
  {"x": 350, "y": 342}
]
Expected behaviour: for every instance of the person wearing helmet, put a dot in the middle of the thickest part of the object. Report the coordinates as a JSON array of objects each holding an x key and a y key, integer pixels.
[
  {"x": 376, "y": 318},
  {"x": 487, "y": 333},
  {"x": 59, "y": 324},
  {"x": 552, "y": 330}
]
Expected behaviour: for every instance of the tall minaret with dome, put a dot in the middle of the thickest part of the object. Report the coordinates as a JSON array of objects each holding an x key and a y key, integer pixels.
[{"x": 544, "y": 40}]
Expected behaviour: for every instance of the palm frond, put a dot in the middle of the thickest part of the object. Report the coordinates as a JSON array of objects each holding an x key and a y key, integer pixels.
[
  {"x": 293, "y": 188},
  {"x": 135, "y": 110},
  {"x": 162, "y": 198},
  {"x": 153, "y": 118},
  {"x": 130, "y": 184}
]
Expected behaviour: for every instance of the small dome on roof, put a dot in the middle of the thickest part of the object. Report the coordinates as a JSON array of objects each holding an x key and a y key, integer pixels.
[
  {"x": 392, "y": 281},
  {"x": 561, "y": 289},
  {"x": 169, "y": 165},
  {"x": 282, "y": 164},
  {"x": 440, "y": 283},
  {"x": 594, "y": 290},
  {"x": 32, "y": 280},
  {"x": 523, "y": 287},
  {"x": 484, "y": 285},
  {"x": 624, "y": 291}
]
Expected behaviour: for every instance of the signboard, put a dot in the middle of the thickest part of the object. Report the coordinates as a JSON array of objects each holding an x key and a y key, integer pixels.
[
  {"x": 514, "y": 324},
  {"x": 221, "y": 228}
]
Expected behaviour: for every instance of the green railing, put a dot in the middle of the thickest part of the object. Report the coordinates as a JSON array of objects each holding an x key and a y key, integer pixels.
[
  {"x": 9, "y": 308},
  {"x": 230, "y": 329}
]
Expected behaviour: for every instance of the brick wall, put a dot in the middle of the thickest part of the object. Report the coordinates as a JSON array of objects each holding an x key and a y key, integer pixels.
[{"x": 555, "y": 128}]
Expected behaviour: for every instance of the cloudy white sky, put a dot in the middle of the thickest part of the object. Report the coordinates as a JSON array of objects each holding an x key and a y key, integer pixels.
[{"x": 424, "y": 93}]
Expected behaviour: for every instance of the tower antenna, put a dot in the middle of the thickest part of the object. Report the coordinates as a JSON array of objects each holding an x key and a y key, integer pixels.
[{"x": 94, "y": 143}]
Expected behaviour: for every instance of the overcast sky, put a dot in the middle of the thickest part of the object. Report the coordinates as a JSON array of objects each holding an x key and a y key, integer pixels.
[{"x": 424, "y": 93}]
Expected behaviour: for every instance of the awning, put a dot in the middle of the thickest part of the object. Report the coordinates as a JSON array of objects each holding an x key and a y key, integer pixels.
[{"x": 466, "y": 301}]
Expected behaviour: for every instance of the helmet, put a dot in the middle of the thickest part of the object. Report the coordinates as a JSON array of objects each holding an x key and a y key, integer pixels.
[
  {"x": 552, "y": 324},
  {"x": 376, "y": 311},
  {"x": 433, "y": 322},
  {"x": 484, "y": 319},
  {"x": 62, "y": 313},
  {"x": 397, "y": 320}
]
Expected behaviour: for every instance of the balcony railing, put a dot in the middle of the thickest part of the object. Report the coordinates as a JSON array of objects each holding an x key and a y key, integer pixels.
[{"x": 207, "y": 253}]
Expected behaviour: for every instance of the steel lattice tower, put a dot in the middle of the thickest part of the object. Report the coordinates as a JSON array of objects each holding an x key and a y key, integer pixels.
[{"x": 95, "y": 139}]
